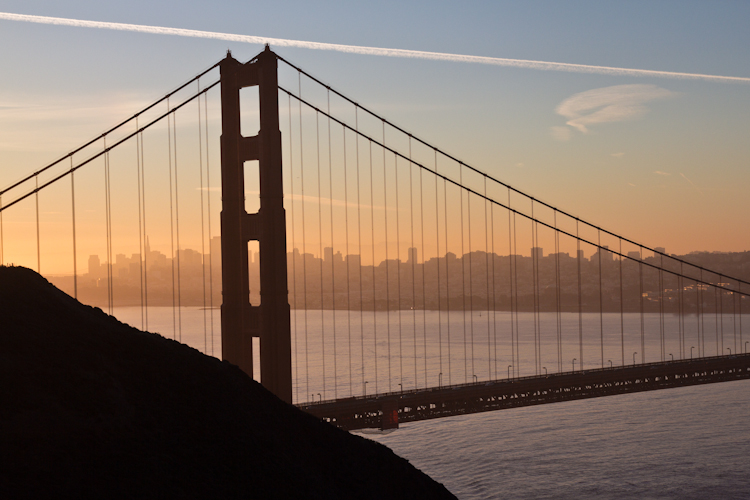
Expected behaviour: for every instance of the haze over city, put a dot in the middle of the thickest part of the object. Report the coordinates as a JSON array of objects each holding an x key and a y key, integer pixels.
[{"x": 453, "y": 209}]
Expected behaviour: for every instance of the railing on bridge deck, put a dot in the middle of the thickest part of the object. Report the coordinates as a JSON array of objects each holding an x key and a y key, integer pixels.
[{"x": 387, "y": 410}]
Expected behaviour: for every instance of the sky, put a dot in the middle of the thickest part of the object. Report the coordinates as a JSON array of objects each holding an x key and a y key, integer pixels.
[{"x": 661, "y": 160}]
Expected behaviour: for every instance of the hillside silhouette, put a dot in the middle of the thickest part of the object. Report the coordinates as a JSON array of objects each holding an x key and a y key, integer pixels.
[{"x": 91, "y": 407}]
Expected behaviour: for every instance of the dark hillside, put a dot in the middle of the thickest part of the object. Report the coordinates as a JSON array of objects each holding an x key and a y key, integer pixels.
[{"x": 90, "y": 407}]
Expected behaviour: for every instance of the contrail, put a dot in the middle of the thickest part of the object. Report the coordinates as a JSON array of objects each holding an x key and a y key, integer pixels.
[
  {"x": 373, "y": 51},
  {"x": 691, "y": 183}
]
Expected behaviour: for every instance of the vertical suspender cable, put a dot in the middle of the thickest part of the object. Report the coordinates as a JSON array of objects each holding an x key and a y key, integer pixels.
[
  {"x": 601, "y": 303},
  {"x": 534, "y": 291},
  {"x": 437, "y": 253},
  {"x": 2, "y": 242},
  {"x": 558, "y": 300},
  {"x": 716, "y": 321},
  {"x": 208, "y": 208},
  {"x": 333, "y": 262},
  {"x": 398, "y": 272},
  {"x": 177, "y": 227},
  {"x": 346, "y": 248},
  {"x": 387, "y": 270},
  {"x": 73, "y": 212},
  {"x": 424, "y": 260},
  {"x": 682, "y": 313},
  {"x": 38, "y": 247},
  {"x": 661, "y": 306},
  {"x": 535, "y": 228},
  {"x": 208, "y": 216},
  {"x": 372, "y": 240},
  {"x": 359, "y": 244},
  {"x": 304, "y": 245},
  {"x": 510, "y": 286},
  {"x": 698, "y": 306},
  {"x": 487, "y": 288},
  {"x": 640, "y": 299},
  {"x": 515, "y": 286},
  {"x": 463, "y": 272},
  {"x": 140, "y": 219},
  {"x": 471, "y": 283},
  {"x": 108, "y": 201},
  {"x": 734, "y": 319},
  {"x": 703, "y": 317},
  {"x": 580, "y": 307},
  {"x": 622, "y": 311},
  {"x": 203, "y": 232},
  {"x": 142, "y": 182},
  {"x": 447, "y": 278},
  {"x": 740, "y": 297},
  {"x": 721, "y": 311},
  {"x": 412, "y": 257},
  {"x": 293, "y": 244},
  {"x": 320, "y": 250},
  {"x": 494, "y": 297},
  {"x": 171, "y": 221}
]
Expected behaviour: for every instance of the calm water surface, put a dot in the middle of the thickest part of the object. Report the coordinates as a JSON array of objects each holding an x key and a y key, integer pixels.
[{"x": 686, "y": 443}]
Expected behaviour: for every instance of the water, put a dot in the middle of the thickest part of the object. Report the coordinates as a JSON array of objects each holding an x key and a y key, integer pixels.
[{"x": 686, "y": 443}]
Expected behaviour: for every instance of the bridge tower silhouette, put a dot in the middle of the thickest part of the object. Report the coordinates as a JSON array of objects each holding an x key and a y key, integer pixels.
[{"x": 241, "y": 321}]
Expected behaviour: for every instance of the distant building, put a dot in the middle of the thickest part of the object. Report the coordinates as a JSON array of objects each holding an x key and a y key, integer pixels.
[
  {"x": 94, "y": 266},
  {"x": 635, "y": 255},
  {"x": 537, "y": 252},
  {"x": 412, "y": 256},
  {"x": 607, "y": 256}
]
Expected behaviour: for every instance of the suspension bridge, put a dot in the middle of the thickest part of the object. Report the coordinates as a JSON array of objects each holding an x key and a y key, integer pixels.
[{"x": 375, "y": 278}]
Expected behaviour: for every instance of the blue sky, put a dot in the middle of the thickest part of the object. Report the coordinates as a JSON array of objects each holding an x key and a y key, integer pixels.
[{"x": 664, "y": 162}]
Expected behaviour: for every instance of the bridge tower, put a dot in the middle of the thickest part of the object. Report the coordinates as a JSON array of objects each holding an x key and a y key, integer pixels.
[{"x": 240, "y": 321}]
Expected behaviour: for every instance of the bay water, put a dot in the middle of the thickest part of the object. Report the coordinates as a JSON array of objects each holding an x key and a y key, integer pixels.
[{"x": 685, "y": 443}]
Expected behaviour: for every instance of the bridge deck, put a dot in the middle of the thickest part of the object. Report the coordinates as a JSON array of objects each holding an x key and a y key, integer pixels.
[{"x": 386, "y": 411}]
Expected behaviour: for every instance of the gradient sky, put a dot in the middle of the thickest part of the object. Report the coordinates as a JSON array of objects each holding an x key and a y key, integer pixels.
[{"x": 663, "y": 161}]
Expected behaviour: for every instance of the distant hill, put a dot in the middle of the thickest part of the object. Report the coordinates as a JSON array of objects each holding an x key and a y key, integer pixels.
[{"x": 90, "y": 407}]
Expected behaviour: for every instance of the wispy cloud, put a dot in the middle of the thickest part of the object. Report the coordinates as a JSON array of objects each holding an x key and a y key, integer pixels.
[
  {"x": 692, "y": 184},
  {"x": 373, "y": 51},
  {"x": 609, "y": 104},
  {"x": 617, "y": 155},
  {"x": 659, "y": 172}
]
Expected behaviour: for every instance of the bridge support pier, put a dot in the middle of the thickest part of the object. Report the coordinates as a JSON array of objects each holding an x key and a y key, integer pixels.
[{"x": 240, "y": 321}]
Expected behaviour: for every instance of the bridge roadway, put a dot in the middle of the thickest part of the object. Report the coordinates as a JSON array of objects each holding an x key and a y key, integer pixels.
[{"x": 387, "y": 410}]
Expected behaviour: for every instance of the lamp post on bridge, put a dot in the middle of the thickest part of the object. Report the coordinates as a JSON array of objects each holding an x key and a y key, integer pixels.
[
  {"x": 476, "y": 379},
  {"x": 672, "y": 356},
  {"x": 610, "y": 363},
  {"x": 440, "y": 380},
  {"x": 634, "y": 357},
  {"x": 730, "y": 350},
  {"x": 574, "y": 364},
  {"x": 509, "y": 367},
  {"x": 691, "y": 351},
  {"x": 746, "y": 347},
  {"x": 545, "y": 370},
  {"x": 364, "y": 389}
]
